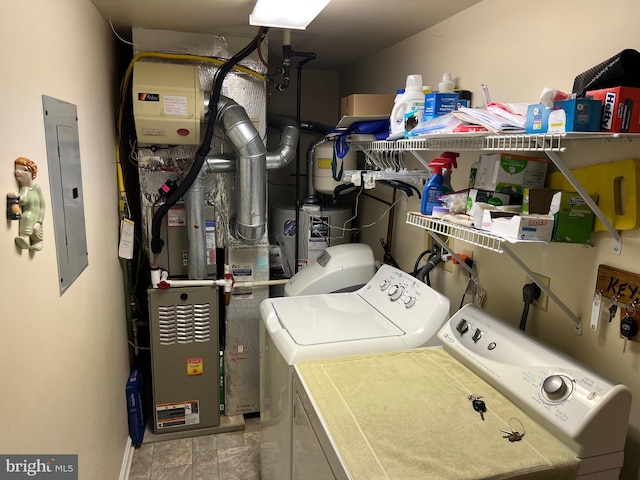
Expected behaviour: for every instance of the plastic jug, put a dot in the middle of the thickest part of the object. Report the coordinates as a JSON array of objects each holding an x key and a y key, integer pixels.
[
  {"x": 447, "y": 84},
  {"x": 411, "y": 100}
]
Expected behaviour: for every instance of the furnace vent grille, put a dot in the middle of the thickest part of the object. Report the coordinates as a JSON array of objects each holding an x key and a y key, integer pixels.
[{"x": 184, "y": 323}]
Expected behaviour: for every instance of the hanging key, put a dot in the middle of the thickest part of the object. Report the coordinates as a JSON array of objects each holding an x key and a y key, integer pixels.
[
  {"x": 628, "y": 329},
  {"x": 613, "y": 308},
  {"x": 479, "y": 406}
]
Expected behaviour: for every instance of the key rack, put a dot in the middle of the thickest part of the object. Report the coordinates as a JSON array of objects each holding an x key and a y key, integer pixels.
[
  {"x": 619, "y": 284},
  {"x": 623, "y": 288},
  {"x": 549, "y": 144}
]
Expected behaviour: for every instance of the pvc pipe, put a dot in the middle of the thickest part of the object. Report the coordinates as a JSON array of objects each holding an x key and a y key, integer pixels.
[{"x": 164, "y": 284}]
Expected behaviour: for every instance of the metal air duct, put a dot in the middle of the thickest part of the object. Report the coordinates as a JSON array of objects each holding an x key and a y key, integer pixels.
[{"x": 249, "y": 223}]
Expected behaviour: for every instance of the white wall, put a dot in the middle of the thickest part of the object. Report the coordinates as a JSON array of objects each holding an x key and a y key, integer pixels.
[
  {"x": 63, "y": 359},
  {"x": 518, "y": 48}
]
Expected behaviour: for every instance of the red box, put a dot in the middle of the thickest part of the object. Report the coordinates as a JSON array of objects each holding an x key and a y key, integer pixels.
[{"x": 620, "y": 109}]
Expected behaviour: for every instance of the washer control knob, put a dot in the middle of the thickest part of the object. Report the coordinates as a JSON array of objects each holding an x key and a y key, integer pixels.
[
  {"x": 462, "y": 327},
  {"x": 395, "y": 292},
  {"x": 555, "y": 387},
  {"x": 410, "y": 302},
  {"x": 384, "y": 285},
  {"x": 477, "y": 335}
]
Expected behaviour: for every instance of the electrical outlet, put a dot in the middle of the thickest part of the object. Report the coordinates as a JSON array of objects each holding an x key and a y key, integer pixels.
[{"x": 542, "y": 302}]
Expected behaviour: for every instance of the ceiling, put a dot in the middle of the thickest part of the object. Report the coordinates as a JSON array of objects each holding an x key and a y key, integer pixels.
[{"x": 344, "y": 32}]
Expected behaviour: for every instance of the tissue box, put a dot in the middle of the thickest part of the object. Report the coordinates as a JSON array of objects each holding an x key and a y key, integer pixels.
[
  {"x": 518, "y": 227},
  {"x": 506, "y": 173},
  {"x": 439, "y": 103},
  {"x": 620, "y": 109},
  {"x": 576, "y": 115},
  {"x": 573, "y": 219},
  {"x": 360, "y": 104}
]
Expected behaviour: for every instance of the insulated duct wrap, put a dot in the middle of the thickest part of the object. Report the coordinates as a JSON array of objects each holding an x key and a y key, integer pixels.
[{"x": 158, "y": 164}]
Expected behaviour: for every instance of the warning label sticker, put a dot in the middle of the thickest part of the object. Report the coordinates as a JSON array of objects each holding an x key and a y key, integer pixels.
[
  {"x": 177, "y": 414},
  {"x": 174, "y": 105}
]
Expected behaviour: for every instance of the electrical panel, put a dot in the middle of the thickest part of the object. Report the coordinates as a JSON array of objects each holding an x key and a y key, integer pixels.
[{"x": 65, "y": 182}]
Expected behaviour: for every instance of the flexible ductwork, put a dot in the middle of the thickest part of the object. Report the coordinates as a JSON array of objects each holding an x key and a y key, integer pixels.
[{"x": 249, "y": 223}]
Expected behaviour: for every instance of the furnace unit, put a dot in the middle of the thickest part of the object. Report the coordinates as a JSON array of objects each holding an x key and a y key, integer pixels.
[{"x": 184, "y": 358}]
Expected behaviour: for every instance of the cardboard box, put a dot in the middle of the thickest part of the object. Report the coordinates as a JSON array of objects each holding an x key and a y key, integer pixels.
[
  {"x": 507, "y": 173},
  {"x": 577, "y": 115},
  {"x": 518, "y": 227},
  {"x": 537, "y": 201},
  {"x": 439, "y": 103},
  {"x": 573, "y": 219},
  {"x": 492, "y": 198},
  {"x": 361, "y": 104},
  {"x": 135, "y": 407},
  {"x": 620, "y": 109}
]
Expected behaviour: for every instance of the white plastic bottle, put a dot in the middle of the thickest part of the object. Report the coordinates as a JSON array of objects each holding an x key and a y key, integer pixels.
[
  {"x": 412, "y": 99},
  {"x": 447, "y": 84}
]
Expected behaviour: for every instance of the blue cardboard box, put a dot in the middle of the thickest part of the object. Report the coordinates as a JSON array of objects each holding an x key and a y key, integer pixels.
[
  {"x": 575, "y": 115},
  {"x": 135, "y": 407},
  {"x": 439, "y": 103}
]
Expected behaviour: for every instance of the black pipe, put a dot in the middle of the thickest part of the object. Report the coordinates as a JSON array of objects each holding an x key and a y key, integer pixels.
[{"x": 308, "y": 56}]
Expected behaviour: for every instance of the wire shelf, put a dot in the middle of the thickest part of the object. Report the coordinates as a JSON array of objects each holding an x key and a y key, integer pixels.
[
  {"x": 460, "y": 232},
  {"x": 553, "y": 142}
]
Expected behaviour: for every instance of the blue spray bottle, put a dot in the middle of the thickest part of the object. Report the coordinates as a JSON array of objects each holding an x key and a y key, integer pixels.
[{"x": 435, "y": 187}]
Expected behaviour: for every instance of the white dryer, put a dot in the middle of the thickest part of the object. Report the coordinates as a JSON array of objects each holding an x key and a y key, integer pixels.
[
  {"x": 415, "y": 414},
  {"x": 393, "y": 311}
]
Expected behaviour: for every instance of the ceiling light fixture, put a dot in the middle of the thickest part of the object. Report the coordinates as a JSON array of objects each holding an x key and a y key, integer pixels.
[{"x": 294, "y": 14}]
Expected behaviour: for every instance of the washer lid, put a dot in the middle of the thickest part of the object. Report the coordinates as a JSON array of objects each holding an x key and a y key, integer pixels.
[{"x": 318, "y": 319}]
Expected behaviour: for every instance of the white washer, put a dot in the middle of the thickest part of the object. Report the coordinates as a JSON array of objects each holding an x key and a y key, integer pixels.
[
  {"x": 393, "y": 311},
  {"x": 417, "y": 403}
]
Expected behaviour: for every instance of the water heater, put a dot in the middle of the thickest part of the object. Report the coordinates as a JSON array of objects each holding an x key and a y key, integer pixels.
[{"x": 168, "y": 104}]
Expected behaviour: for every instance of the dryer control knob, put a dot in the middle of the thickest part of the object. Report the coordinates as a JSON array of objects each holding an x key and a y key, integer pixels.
[
  {"x": 395, "y": 292},
  {"x": 410, "y": 302},
  {"x": 555, "y": 387},
  {"x": 384, "y": 285}
]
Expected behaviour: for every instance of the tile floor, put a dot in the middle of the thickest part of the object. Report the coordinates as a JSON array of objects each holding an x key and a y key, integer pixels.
[{"x": 224, "y": 456}]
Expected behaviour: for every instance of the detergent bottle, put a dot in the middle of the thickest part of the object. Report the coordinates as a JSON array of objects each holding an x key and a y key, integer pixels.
[
  {"x": 447, "y": 169},
  {"x": 435, "y": 187},
  {"x": 412, "y": 99},
  {"x": 447, "y": 84}
]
